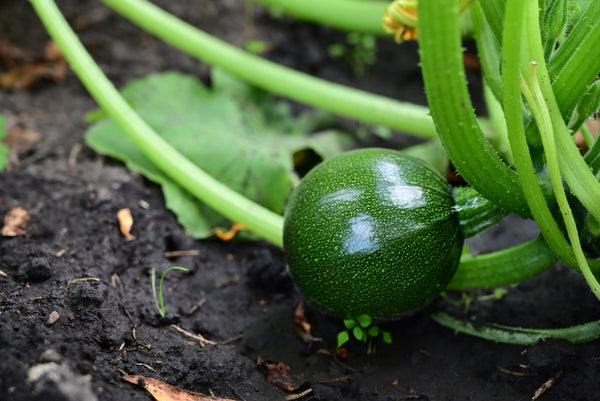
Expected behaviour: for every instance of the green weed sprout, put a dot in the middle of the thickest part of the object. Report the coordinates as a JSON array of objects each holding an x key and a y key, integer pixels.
[
  {"x": 363, "y": 329},
  {"x": 158, "y": 300}
]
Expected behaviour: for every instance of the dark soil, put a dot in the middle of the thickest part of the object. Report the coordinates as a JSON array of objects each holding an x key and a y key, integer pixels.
[{"x": 74, "y": 261}]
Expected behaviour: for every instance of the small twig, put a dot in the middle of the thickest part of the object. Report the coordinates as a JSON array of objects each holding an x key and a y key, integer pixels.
[
  {"x": 83, "y": 280},
  {"x": 150, "y": 368},
  {"x": 236, "y": 338},
  {"x": 175, "y": 254},
  {"x": 547, "y": 384},
  {"x": 203, "y": 341},
  {"x": 75, "y": 150},
  {"x": 299, "y": 395},
  {"x": 510, "y": 372},
  {"x": 115, "y": 281},
  {"x": 196, "y": 306}
]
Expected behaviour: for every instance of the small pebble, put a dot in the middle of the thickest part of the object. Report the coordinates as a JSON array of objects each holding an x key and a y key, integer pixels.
[{"x": 52, "y": 318}]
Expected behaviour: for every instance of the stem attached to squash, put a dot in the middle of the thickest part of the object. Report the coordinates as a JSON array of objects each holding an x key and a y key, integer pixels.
[
  {"x": 231, "y": 204},
  {"x": 359, "y": 105},
  {"x": 508, "y": 266}
]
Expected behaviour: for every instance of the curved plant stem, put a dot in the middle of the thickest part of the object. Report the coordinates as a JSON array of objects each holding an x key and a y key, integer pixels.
[
  {"x": 542, "y": 115},
  {"x": 231, "y": 204},
  {"x": 446, "y": 88},
  {"x": 347, "y": 15},
  {"x": 582, "y": 182},
  {"x": 505, "y": 267},
  {"x": 512, "y": 47},
  {"x": 517, "y": 335},
  {"x": 362, "y": 106}
]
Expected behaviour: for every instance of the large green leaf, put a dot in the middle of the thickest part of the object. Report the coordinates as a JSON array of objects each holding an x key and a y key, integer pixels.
[{"x": 240, "y": 135}]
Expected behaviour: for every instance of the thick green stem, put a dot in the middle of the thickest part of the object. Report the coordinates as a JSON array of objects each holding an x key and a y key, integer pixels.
[
  {"x": 347, "y": 15},
  {"x": 362, "y": 106},
  {"x": 505, "y": 267},
  {"x": 231, "y": 204},
  {"x": 448, "y": 96}
]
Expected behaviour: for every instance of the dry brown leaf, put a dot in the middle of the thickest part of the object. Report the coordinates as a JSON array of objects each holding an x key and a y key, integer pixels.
[
  {"x": 303, "y": 327},
  {"x": 15, "y": 222},
  {"x": 25, "y": 76},
  {"x": 125, "y": 223},
  {"x": 22, "y": 141},
  {"x": 281, "y": 375},
  {"x": 165, "y": 392}
]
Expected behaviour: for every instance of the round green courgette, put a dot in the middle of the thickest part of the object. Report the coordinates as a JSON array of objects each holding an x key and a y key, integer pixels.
[{"x": 371, "y": 232}]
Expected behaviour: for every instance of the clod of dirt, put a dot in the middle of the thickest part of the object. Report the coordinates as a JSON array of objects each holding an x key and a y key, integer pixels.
[
  {"x": 550, "y": 357},
  {"x": 36, "y": 270},
  {"x": 87, "y": 294},
  {"x": 268, "y": 272},
  {"x": 56, "y": 381}
]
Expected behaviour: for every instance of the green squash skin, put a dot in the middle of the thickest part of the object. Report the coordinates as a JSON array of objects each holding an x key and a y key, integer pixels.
[{"x": 371, "y": 232}]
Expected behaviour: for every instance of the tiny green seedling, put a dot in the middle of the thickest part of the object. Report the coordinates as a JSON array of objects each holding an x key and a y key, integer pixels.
[
  {"x": 364, "y": 330},
  {"x": 158, "y": 300}
]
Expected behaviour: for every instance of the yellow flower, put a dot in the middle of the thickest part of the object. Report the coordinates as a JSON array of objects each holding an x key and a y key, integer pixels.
[{"x": 401, "y": 20}]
